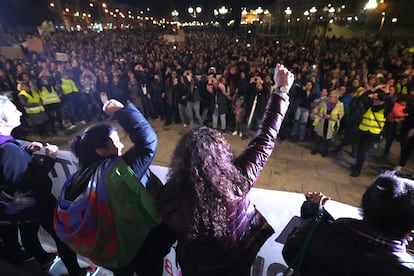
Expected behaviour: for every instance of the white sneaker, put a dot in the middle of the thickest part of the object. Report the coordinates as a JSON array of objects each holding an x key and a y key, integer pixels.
[
  {"x": 72, "y": 127},
  {"x": 240, "y": 134},
  {"x": 83, "y": 122},
  {"x": 398, "y": 169},
  {"x": 234, "y": 133}
]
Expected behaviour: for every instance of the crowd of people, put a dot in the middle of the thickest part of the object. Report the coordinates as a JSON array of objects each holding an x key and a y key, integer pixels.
[
  {"x": 221, "y": 80},
  {"x": 216, "y": 82}
]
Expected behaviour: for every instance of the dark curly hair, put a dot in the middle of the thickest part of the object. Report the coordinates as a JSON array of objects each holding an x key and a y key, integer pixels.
[{"x": 203, "y": 169}]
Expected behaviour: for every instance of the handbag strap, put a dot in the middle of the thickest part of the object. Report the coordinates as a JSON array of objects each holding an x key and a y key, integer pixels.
[
  {"x": 375, "y": 117},
  {"x": 298, "y": 260}
]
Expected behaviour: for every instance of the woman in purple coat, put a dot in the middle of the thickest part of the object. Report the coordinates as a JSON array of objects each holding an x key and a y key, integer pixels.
[{"x": 205, "y": 199}]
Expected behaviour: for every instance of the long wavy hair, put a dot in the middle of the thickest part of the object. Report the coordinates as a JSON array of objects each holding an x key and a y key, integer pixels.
[{"x": 203, "y": 169}]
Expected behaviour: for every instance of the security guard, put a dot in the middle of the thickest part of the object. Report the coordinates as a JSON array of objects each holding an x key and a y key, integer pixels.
[
  {"x": 51, "y": 102},
  {"x": 371, "y": 126},
  {"x": 33, "y": 108},
  {"x": 71, "y": 98}
]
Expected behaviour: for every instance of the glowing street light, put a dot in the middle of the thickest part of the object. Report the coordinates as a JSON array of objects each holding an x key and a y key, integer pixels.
[
  {"x": 194, "y": 12},
  {"x": 52, "y": 5},
  {"x": 223, "y": 10},
  {"x": 313, "y": 10},
  {"x": 259, "y": 10},
  {"x": 371, "y": 4},
  {"x": 104, "y": 5},
  {"x": 288, "y": 11},
  {"x": 382, "y": 21},
  {"x": 174, "y": 13}
]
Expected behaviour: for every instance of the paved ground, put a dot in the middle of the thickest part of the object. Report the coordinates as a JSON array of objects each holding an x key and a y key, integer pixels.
[{"x": 290, "y": 168}]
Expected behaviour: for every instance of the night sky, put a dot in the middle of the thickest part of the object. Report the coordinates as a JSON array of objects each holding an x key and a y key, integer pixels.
[{"x": 33, "y": 12}]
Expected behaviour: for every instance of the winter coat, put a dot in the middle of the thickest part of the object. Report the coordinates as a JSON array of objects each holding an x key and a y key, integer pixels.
[
  {"x": 206, "y": 255},
  {"x": 333, "y": 122},
  {"x": 346, "y": 247}
]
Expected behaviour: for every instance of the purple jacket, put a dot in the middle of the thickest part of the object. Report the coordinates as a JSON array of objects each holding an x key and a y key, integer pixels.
[{"x": 206, "y": 255}]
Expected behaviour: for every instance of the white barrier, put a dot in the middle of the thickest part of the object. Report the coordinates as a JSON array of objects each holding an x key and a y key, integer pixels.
[{"x": 278, "y": 207}]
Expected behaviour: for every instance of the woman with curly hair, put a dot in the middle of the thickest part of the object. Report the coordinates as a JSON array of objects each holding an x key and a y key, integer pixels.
[{"x": 205, "y": 199}]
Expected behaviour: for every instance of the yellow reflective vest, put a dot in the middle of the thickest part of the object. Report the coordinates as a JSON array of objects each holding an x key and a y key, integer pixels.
[
  {"x": 35, "y": 105},
  {"x": 49, "y": 97},
  {"x": 373, "y": 121},
  {"x": 68, "y": 86},
  {"x": 336, "y": 115}
]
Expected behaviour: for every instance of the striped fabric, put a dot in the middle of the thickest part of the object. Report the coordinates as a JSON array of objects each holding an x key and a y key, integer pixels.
[{"x": 110, "y": 220}]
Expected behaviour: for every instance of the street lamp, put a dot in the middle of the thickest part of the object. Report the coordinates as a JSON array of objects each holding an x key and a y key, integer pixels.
[
  {"x": 288, "y": 13},
  {"x": 259, "y": 13},
  {"x": 175, "y": 14},
  {"x": 331, "y": 14},
  {"x": 371, "y": 5},
  {"x": 194, "y": 12},
  {"x": 382, "y": 21},
  {"x": 223, "y": 10}
]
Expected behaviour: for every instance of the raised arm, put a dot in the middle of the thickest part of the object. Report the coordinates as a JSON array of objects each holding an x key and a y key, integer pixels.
[
  {"x": 253, "y": 159},
  {"x": 140, "y": 156}
]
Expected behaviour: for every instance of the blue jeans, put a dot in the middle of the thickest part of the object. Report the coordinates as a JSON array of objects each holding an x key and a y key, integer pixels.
[
  {"x": 222, "y": 119},
  {"x": 183, "y": 114},
  {"x": 194, "y": 107},
  {"x": 300, "y": 122}
]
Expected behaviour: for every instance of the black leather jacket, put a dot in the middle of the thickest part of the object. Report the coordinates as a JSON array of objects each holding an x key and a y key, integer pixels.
[
  {"x": 346, "y": 247},
  {"x": 206, "y": 255}
]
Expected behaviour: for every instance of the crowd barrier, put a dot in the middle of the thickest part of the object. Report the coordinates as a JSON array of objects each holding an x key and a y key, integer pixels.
[{"x": 278, "y": 207}]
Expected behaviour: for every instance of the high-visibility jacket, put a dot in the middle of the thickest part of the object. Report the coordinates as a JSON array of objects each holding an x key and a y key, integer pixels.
[
  {"x": 373, "y": 121},
  {"x": 402, "y": 89},
  {"x": 336, "y": 115},
  {"x": 35, "y": 105},
  {"x": 49, "y": 97},
  {"x": 68, "y": 86}
]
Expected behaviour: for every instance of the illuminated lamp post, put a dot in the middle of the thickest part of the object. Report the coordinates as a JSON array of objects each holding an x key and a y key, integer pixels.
[
  {"x": 194, "y": 12},
  {"x": 288, "y": 14},
  {"x": 174, "y": 15}
]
